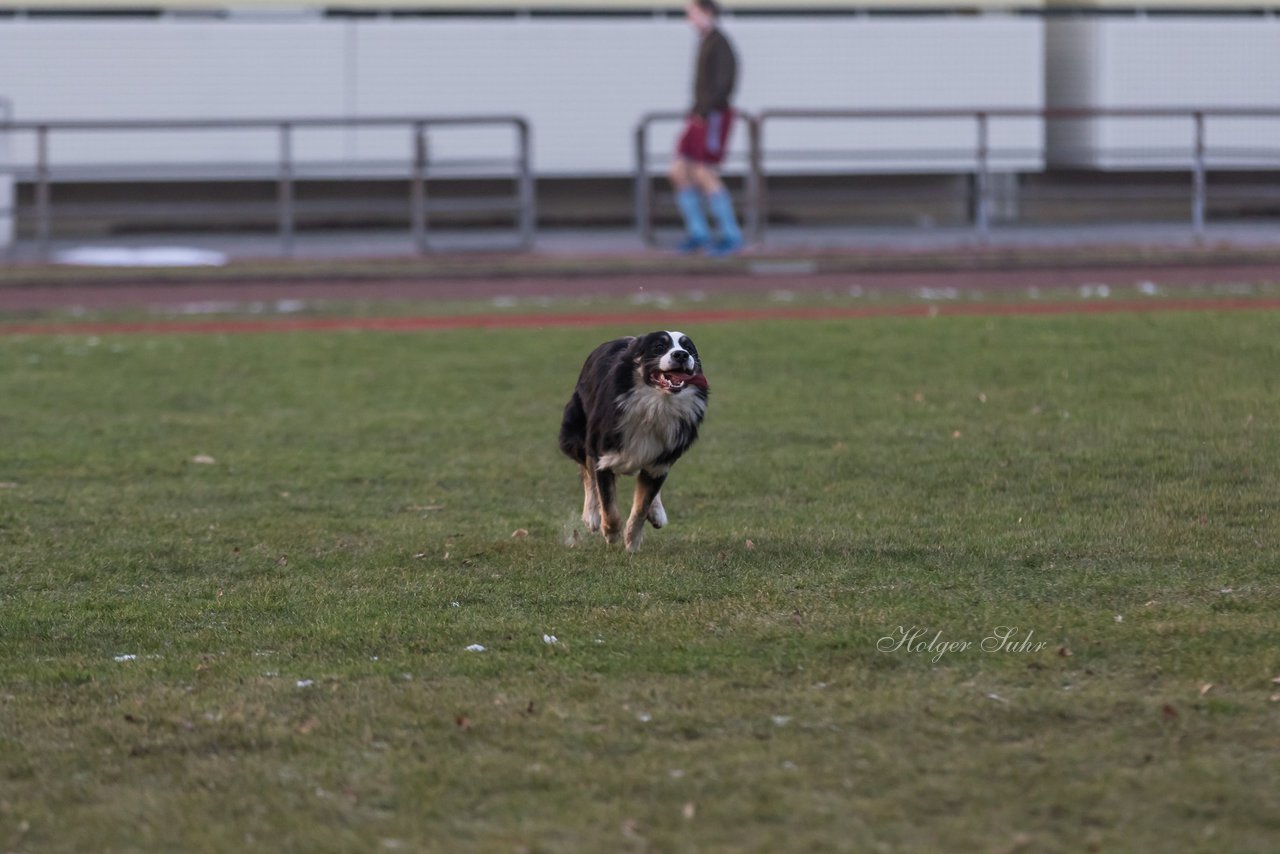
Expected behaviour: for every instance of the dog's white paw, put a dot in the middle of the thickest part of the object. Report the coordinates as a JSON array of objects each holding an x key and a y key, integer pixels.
[
  {"x": 592, "y": 521},
  {"x": 657, "y": 514}
]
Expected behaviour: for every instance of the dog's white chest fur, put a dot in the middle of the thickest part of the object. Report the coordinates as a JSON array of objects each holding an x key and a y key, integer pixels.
[{"x": 651, "y": 422}]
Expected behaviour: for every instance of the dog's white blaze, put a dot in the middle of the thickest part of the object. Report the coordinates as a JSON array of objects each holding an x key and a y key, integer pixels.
[
  {"x": 667, "y": 363},
  {"x": 650, "y": 424}
]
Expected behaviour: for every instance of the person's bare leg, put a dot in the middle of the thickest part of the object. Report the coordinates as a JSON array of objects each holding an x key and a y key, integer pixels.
[
  {"x": 680, "y": 174},
  {"x": 706, "y": 178}
]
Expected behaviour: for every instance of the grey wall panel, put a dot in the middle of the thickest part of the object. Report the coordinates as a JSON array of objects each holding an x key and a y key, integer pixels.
[
  {"x": 582, "y": 83},
  {"x": 1181, "y": 63}
]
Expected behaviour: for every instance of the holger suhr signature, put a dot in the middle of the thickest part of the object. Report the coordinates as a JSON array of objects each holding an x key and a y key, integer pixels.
[{"x": 922, "y": 640}]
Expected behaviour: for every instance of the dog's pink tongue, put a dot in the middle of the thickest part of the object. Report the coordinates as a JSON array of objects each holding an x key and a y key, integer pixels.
[{"x": 699, "y": 380}]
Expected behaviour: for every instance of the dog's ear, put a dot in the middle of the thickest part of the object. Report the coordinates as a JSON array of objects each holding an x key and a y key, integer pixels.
[{"x": 635, "y": 349}]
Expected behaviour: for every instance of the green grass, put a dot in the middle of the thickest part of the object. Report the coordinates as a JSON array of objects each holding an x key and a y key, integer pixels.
[{"x": 299, "y": 608}]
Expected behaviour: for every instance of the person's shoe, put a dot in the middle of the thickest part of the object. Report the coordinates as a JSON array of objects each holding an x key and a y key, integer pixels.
[
  {"x": 725, "y": 246},
  {"x": 692, "y": 244}
]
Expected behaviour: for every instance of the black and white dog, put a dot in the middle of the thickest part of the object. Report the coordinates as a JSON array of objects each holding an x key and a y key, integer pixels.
[{"x": 637, "y": 407}]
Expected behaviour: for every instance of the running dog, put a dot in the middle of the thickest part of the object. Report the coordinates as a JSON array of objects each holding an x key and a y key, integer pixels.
[{"x": 635, "y": 410}]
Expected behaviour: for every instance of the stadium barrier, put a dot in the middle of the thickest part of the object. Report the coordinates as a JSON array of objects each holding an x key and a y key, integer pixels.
[
  {"x": 981, "y": 145},
  {"x": 1063, "y": 138},
  {"x": 288, "y": 168}
]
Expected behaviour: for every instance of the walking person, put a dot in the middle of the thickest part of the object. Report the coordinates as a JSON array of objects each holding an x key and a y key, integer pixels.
[{"x": 695, "y": 170}]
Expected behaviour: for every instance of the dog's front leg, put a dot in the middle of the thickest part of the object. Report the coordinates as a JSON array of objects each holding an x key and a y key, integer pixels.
[
  {"x": 611, "y": 521},
  {"x": 647, "y": 487},
  {"x": 590, "y": 497}
]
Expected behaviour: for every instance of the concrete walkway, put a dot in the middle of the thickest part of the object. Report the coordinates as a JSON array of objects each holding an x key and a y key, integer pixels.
[{"x": 627, "y": 244}]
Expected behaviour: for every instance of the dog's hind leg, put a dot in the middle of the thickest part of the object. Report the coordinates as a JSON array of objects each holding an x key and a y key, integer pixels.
[
  {"x": 643, "y": 507},
  {"x": 610, "y": 520},
  {"x": 590, "y": 499}
]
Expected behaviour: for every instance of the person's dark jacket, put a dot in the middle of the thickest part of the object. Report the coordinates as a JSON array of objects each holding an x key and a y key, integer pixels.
[{"x": 715, "y": 75}]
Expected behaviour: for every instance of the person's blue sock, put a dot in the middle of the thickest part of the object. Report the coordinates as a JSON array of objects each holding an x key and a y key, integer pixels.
[
  {"x": 689, "y": 200},
  {"x": 721, "y": 204}
]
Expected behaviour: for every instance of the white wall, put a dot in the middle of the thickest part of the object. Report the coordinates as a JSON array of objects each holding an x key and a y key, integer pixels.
[
  {"x": 888, "y": 63},
  {"x": 1183, "y": 63},
  {"x": 583, "y": 83}
]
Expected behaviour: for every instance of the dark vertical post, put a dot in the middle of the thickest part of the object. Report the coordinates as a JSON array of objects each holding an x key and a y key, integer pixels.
[
  {"x": 525, "y": 188},
  {"x": 1198, "y": 181},
  {"x": 43, "y": 202},
  {"x": 418, "y": 189},
  {"x": 284, "y": 191},
  {"x": 756, "y": 214},
  {"x": 643, "y": 198},
  {"x": 982, "y": 211}
]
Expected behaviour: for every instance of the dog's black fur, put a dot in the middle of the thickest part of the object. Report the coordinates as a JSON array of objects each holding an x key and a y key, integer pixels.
[{"x": 636, "y": 409}]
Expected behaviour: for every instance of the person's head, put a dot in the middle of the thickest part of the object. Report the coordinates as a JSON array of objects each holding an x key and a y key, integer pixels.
[{"x": 702, "y": 14}]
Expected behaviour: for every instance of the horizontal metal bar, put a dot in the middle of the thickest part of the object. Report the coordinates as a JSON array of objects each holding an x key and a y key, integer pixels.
[
  {"x": 1050, "y": 113},
  {"x": 242, "y": 123},
  {"x": 265, "y": 207},
  {"x": 964, "y": 155},
  {"x": 265, "y": 170},
  {"x": 435, "y": 204},
  {"x": 518, "y": 121},
  {"x": 1094, "y": 194}
]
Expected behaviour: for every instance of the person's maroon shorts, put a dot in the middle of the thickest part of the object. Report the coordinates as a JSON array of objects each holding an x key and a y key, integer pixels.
[{"x": 705, "y": 140}]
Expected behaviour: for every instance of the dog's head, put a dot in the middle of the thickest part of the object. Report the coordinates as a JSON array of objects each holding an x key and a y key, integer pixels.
[{"x": 668, "y": 361}]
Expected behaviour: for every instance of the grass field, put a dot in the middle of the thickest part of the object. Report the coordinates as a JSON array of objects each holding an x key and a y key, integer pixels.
[{"x": 239, "y": 576}]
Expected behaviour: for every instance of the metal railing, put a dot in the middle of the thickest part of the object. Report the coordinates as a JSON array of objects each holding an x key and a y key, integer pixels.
[
  {"x": 978, "y": 156},
  {"x": 979, "y": 159},
  {"x": 643, "y": 178},
  {"x": 978, "y": 153},
  {"x": 287, "y": 169}
]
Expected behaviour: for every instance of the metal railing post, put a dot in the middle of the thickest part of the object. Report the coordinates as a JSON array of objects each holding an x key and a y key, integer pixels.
[
  {"x": 983, "y": 189},
  {"x": 284, "y": 192},
  {"x": 755, "y": 181},
  {"x": 418, "y": 190},
  {"x": 43, "y": 205},
  {"x": 1198, "y": 201},
  {"x": 643, "y": 187},
  {"x": 8, "y": 188},
  {"x": 524, "y": 186}
]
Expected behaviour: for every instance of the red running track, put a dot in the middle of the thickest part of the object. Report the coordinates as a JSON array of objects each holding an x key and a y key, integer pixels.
[{"x": 1170, "y": 280}]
